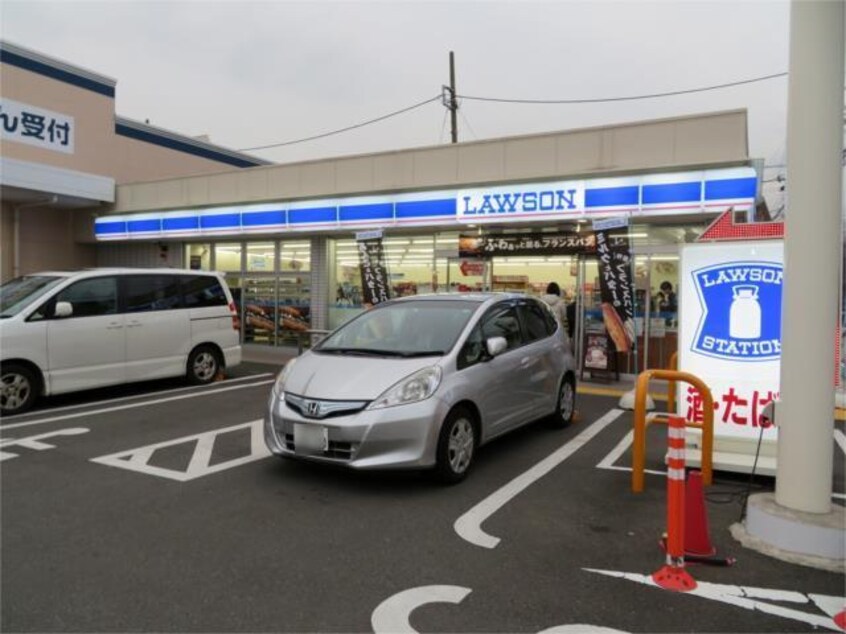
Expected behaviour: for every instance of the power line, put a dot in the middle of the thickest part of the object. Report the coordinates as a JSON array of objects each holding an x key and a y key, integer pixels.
[
  {"x": 347, "y": 129},
  {"x": 628, "y": 98}
]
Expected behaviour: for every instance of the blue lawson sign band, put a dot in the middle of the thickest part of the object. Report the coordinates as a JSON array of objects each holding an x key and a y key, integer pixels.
[
  {"x": 741, "y": 311},
  {"x": 651, "y": 194}
]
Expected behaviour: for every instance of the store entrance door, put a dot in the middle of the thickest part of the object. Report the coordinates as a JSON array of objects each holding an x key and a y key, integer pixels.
[{"x": 656, "y": 312}]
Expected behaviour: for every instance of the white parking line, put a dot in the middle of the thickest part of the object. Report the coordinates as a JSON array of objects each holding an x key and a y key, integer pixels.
[
  {"x": 64, "y": 408},
  {"x": 617, "y": 452},
  {"x": 468, "y": 526},
  {"x": 392, "y": 615},
  {"x": 119, "y": 408}
]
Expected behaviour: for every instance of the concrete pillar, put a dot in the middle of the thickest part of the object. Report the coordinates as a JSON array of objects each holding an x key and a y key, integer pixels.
[{"x": 812, "y": 255}]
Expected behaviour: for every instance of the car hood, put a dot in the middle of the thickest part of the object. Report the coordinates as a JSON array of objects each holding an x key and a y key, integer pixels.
[{"x": 350, "y": 378}]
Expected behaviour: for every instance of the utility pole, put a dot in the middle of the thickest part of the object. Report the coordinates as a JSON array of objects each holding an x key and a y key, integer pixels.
[{"x": 449, "y": 100}]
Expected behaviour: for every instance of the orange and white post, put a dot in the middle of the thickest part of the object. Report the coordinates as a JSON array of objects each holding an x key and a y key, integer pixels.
[{"x": 673, "y": 575}]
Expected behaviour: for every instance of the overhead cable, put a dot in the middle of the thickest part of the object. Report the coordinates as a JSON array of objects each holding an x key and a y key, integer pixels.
[
  {"x": 347, "y": 129},
  {"x": 628, "y": 98}
]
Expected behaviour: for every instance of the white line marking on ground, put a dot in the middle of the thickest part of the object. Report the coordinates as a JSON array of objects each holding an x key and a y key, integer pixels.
[
  {"x": 840, "y": 438},
  {"x": 581, "y": 628},
  {"x": 199, "y": 466},
  {"x": 35, "y": 442},
  {"x": 748, "y": 598},
  {"x": 469, "y": 525},
  {"x": 119, "y": 408},
  {"x": 615, "y": 454},
  {"x": 64, "y": 408},
  {"x": 392, "y": 615}
]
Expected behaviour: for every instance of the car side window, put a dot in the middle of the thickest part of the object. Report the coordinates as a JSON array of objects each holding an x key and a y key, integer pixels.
[
  {"x": 473, "y": 350},
  {"x": 502, "y": 321},
  {"x": 551, "y": 323},
  {"x": 92, "y": 297},
  {"x": 142, "y": 293},
  {"x": 534, "y": 321},
  {"x": 201, "y": 291}
]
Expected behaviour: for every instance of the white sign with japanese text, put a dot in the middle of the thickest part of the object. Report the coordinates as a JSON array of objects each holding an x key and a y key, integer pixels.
[
  {"x": 730, "y": 332},
  {"x": 36, "y": 126}
]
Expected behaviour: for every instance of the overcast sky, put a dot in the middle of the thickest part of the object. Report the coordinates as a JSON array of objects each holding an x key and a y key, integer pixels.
[{"x": 254, "y": 73}]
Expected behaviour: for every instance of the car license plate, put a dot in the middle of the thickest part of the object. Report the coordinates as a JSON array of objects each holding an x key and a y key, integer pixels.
[{"x": 310, "y": 439}]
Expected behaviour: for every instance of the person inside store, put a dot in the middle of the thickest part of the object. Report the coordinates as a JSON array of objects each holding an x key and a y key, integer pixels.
[
  {"x": 571, "y": 316},
  {"x": 667, "y": 298},
  {"x": 554, "y": 300}
]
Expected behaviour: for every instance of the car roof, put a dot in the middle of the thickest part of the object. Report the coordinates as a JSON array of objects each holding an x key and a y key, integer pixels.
[
  {"x": 121, "y": 271},
  {"x": 478, "y": 298}
]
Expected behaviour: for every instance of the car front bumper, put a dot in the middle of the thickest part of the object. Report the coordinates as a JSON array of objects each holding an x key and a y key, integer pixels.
[{"x": 405, "y": 436}]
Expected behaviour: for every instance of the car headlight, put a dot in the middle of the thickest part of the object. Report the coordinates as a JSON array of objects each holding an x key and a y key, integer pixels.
[
  {"x": 416, "y": 387},
  {"x": 279, "y": 385}
]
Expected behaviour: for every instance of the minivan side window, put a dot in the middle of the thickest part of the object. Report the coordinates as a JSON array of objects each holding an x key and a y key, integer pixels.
[
  {"x": 142, "y": 293},
  {"x": 92, "y": 297},
  {"x": 201, "y": 291},
  {"x": 534, "y": 321}
]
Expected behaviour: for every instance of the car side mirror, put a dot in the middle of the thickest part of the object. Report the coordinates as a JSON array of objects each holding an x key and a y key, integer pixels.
[
  {"x": 62, "y": 310},
  {"x": 496, "y": 346}
]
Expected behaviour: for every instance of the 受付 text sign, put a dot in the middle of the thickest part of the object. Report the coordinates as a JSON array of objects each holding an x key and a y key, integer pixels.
[{"x": 730, "y": 332}]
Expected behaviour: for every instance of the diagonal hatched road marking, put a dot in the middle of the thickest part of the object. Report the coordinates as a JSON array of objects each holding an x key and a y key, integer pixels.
[{"x": 199, "y": 466}]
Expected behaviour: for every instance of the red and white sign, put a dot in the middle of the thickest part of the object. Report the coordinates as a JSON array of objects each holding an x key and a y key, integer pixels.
[
  {"x": 472, "y": 267},
  {"x": 724, "y": 228}
]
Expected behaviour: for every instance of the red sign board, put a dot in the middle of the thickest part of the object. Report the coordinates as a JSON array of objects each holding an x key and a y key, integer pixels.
[
  {"x": 724, "y": 228},
  {"x": 472, "y": 267}
]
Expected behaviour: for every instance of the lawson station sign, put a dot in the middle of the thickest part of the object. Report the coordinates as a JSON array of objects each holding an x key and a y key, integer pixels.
[{"x": 645, "y": 195}]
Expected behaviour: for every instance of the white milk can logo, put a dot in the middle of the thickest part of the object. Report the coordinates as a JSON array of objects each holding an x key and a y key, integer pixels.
[{"x": 741, "y": 311}]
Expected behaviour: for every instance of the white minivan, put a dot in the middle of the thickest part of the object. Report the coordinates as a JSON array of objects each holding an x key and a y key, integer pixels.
[{"x": 67, "y": 331}]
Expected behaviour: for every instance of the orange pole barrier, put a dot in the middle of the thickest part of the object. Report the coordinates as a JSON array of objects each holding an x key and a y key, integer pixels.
[
  {"x": 671, "y": 385},
  {"x": 707, "y": 426},
  {"x": 673, "y": 576}
]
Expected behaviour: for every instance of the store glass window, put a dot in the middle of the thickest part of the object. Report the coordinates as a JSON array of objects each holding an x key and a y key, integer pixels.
[
  {"x": 260, "y": 257},
  {"x": 294, "y": 256},
  {"x": 198, "y": 257},
  {"x": 227, "y": 257}
]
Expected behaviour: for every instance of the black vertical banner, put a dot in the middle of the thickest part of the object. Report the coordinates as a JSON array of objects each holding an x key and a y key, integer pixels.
[
  {"x": 374, "y": 275},
  {"x": 613, "y": 250}
]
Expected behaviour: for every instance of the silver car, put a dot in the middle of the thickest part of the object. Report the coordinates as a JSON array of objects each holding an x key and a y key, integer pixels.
[{"x": 422, "y": 382}]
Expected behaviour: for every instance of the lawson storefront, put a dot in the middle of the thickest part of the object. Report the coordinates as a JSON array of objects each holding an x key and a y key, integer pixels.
[{"x": 294, "y": 265}]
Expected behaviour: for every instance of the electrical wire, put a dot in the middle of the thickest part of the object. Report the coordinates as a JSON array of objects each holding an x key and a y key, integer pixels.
[
  {"x": 347, "y": 129},
  {"x": 628, "y": 98},
  {"x": 467, "y": 123}
]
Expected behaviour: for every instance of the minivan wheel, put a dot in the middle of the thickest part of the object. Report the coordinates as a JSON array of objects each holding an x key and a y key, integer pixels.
[
  {"x": 456, "y": 446},
  {"x": 18, "y": 389},
  {"x": 203, "y": 365},
  {"x": 565, "y": 406}
]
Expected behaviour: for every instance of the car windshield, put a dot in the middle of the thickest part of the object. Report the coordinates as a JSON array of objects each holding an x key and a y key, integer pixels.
[
  {"x": 17, "y": 294},
  {"x": 403, "y": 329}
]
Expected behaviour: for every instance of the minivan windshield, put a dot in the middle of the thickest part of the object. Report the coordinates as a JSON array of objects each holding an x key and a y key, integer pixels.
[
  {"x": 402, "y": 329},
  {"x": 17, "y": 294}
]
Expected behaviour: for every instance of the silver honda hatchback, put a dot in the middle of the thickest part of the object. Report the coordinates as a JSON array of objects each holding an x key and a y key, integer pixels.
[{"x": 422, "y": 382}]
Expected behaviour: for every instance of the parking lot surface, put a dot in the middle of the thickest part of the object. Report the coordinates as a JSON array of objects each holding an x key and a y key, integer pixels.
[{"x": 157, "y": 507}]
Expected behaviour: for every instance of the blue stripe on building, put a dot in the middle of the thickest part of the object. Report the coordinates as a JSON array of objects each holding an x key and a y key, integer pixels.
[
  {"x": 731, "y": 188},
  {"x": 612, "y": 196},
  {"x": 221, "y": 221},
  {"x": 108, "y": 228},
  {"x": 263, "y": 218},
  {"x": 173, "y": 144},
  {"x": 144, "y": 226},
  {"x": 426, "y": 208},
  {"x": 181, "y": 223},
  {"x": 380, "y": 211},
  {"x": 13, "y": 59},
  {"x": 672, "y": 193},
  {"x": 318, "y": 214}
]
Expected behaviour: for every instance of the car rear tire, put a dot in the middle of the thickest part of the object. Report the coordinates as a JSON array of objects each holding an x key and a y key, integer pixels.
[
  {"x": 565, "y": 405},
  {"x": 19, "y": 387},
  {"x": 456, "y": 446},
  {"x": 203, "y": 365}
]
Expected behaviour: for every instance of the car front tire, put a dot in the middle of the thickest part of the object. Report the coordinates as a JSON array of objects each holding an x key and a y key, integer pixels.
[
  {"x": 19, "y": 388},
  {"x": 456, "y": 446}
]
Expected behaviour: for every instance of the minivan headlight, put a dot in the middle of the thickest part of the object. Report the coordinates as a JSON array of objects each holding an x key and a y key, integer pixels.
[
  {"x": 279, "y": 385},
  {"x": 416, "y": 387}
]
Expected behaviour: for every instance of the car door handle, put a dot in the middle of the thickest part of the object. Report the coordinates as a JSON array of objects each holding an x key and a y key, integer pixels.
[
  {"x": 526, "y": 361},
  {"x": 114, "y": 326},
  {"x": 133, "y": 324}
]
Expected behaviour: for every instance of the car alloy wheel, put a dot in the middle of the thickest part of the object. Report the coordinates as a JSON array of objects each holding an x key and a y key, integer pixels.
[
  {"x": 456, "y": 446},
  {"x": 203, "y": 365},
  {"x": 461, "y": 445},
  {"x": 17, "y": 391},
  {"x": 566, "y": 405}
]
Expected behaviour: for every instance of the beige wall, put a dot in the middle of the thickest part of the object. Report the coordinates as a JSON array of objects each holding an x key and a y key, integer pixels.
[
  {"x": 683, "y": 142},
  {"x": 7, "y": 257},
  {"x": 135, "y": 161},
  {"x": 46, "y": 241}
]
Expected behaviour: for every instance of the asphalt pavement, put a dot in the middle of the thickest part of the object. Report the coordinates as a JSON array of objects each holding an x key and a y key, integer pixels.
[{"x": 156, "y": 508}]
